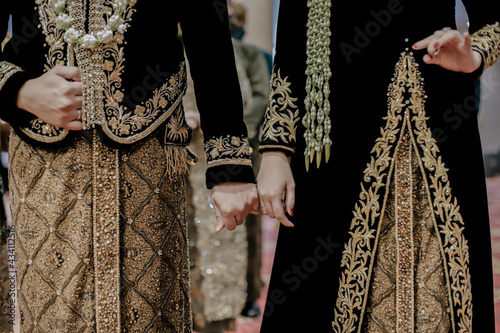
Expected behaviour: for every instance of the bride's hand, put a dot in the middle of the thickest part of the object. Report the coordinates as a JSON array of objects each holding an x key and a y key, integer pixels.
[
  {"x": 451, "y": 50},
  {"x": 275, "y": 178}
]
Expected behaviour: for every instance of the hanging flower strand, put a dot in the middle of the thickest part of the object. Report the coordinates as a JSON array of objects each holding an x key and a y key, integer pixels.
[
  {"x": 116, "y": 23},
  {"x": 317, "y": 102}
]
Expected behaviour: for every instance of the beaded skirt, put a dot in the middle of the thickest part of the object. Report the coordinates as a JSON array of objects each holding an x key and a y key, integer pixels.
[{"x": 101, "y": 237}]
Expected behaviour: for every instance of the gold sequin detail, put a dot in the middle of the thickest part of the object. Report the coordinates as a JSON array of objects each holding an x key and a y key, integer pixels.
[
  {"x": 282, "y": 115},
  {"x": 386, "y": 268},
  {"x": 53, "y": 211},
  {"x": 486, "y": 41},
  {"x": 106, "y": 228}
]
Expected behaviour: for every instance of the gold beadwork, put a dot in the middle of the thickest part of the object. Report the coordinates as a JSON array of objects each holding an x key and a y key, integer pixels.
[
  {"x": 317, "y": 102},
  {"x": 106, "y": 226}
]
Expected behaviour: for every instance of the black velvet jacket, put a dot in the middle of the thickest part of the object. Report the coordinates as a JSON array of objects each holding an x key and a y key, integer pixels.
[
  {"x": 142, "y": 74},
  {"x": 323, "y": 267}
]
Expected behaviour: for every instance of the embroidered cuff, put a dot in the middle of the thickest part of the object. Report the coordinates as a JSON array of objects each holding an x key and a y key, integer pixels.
[
  {"x": 228, "y": 160},
  {"x": 486, "y": 41},
  {"x": 228, "y": 150},
  {"x": 6, "y": 71},
  {"x": 279, "y": 131},
  {"x": 12, "y": 79}
]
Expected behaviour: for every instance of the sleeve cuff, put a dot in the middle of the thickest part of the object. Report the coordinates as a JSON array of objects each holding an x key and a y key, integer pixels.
[
  {"x": 486, "y": 41},
  {"x": 229, "y": 173},
  {"x": 284, "y": 149},
  {"x": 12, "y": 81}
]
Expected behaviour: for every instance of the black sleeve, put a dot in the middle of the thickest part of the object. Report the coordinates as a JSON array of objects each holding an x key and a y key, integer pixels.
[
  {"x": 206, "y": 36},
  {"x": 287, "y": 85},
  {"x": 12, "y": 78},
  {"x": 484, "y": 19}
]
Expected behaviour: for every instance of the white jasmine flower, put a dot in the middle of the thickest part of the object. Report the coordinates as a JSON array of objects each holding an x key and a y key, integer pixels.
[
  {"x": 120, "y": 5},
  {"x": 59, "y": 5},
  {"x": 89, "y": 41},
  {"x": 115, "y": 21},
  {"x": 71, "y": 36},
  {"x": 63, "y": 21},
  {"x": 105, "y": 36},
  {"x": 122, "y": 28}
]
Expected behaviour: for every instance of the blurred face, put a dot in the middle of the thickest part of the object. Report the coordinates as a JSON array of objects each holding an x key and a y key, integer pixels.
[{"x": 234, "y": 20}]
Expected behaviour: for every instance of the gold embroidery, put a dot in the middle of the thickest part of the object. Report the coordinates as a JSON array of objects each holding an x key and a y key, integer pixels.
[
  {"x": 177, "y": 129},
  {"x": 227, "y": 150},
  {"x": 406, "y": 110},
  {"x": 405, "y": 261},
  {"x": 280, "y": 123},
  {"x": 51, "y": 193},
  {"x": 408, "y": 246},
  {"x": 53, "y": 36},
  {"x": 127, "y": 126},
  {"x": 101, "y": 70},
  {"x": 6, "y": 71},
  {"x": 487, "y": 42},
  {"x": 106, "y": 229}
]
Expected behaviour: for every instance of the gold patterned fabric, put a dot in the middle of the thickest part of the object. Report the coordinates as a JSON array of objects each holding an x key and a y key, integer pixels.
[
  {"x": 486, "y": 41},
  {"x": 405, "y": 267},
  {"x": 63, "y": 237}
]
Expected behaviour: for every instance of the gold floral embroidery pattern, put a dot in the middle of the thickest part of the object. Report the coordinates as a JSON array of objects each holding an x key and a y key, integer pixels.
[
  {"x": 282, "y": 116},
  {"x": 487, "y": 42},
  {"x": 129, "y": 126},
  {"x": 54, "y": 37},
  {"x": 406, "y": 106},
  {"x": 6, "y": 71},
  {"x": 227, "y": 150},
  {"x": 122, "y": 125}
]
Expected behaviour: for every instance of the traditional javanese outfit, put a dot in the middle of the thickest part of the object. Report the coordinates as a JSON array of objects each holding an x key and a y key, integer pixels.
[
  {"x": 392, "y": 233},
  {"x": 101, "y": 235}
]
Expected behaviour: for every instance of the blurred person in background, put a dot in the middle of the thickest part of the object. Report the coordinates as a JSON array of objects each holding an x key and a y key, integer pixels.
[{"x": 256, "y": 72}]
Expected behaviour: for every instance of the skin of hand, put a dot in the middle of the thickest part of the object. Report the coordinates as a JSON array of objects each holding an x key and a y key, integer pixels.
[
  {"x": 275, "y": 178},
  {"x": 193, "y": 119},
  {"x": 233, "y": 202},
  {"x": 451, "y": 50},
  {"x": 55, "y": 97}
]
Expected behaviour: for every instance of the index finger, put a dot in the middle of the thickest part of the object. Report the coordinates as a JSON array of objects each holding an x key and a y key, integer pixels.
[
  {"x": 68, "y": 72},
  {"x": 422, "y": 44}
]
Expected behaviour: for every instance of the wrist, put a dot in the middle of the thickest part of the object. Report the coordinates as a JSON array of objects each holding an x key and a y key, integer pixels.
[{"x": 21, "y": 97}]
